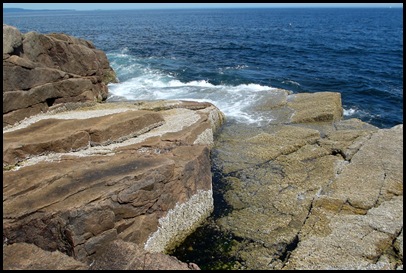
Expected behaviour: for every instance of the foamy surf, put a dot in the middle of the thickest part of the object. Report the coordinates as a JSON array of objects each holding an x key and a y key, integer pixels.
[{"x": 138, "y": 81}]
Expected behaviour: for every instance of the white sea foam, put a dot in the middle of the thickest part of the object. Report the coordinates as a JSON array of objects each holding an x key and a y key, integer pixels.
[
  {"x": 237, "y": 67},
  {"x": 349, "y": 112},
  {"x": 144, "y": 83},
  {"x": 291, "y": 82}
]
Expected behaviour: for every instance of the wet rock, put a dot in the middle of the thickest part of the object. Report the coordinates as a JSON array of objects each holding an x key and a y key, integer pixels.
[{"x": 121, "y": 255}]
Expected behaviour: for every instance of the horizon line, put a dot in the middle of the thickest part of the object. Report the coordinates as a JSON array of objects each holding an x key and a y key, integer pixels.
[{"x": 222, "y": 7}]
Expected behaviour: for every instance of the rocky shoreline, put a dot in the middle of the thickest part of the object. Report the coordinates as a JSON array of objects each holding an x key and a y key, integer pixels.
[
  {"x": 90, "y": 184},
  {"x": 82, "y": 177},
  {"x": 318, "y": 195},
  {"x": 311, "y": 192}
]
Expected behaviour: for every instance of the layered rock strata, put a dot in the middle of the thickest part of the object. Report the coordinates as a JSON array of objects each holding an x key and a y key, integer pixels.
[
  {"x": 43, "y": 71},
  {"x": 79, "y": 179}
]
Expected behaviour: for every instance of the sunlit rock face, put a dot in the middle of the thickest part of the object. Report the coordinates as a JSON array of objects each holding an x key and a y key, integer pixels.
[{"x": 43, "y": 71}]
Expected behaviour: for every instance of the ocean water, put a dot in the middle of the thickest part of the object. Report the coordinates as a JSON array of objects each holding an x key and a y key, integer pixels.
[{"x": 235, "y": 58}]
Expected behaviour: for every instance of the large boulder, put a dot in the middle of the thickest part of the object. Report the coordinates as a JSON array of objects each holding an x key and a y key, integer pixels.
[
  {"x": 12, "y": 38},
  {"x": 42, "y": 71}
]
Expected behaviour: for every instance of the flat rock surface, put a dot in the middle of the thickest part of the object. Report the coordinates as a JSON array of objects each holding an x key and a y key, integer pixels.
[{"x": 310, "y": 190}]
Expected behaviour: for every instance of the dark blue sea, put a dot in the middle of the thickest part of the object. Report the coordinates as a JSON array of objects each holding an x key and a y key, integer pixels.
[{"x": 234, "y": 58}]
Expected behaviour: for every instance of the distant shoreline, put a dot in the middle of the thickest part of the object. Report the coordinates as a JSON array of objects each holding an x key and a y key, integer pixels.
[
  {"x": 33, "y": 10},
  {"x": 11, "y": 10}
]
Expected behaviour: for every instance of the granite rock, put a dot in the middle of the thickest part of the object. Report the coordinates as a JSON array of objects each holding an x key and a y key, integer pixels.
[
  {"x": 43, "y": 71},
  {"x": 312, "y": 190}
]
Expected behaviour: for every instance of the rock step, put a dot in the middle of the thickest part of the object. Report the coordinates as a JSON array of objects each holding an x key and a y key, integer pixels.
[{"x": 56, "y": 135}]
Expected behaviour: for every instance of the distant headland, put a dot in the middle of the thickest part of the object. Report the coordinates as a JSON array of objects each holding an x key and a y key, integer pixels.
[{"x": 31, "y": 10}]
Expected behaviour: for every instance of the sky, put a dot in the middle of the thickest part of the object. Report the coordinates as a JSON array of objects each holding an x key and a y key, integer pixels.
[{"x": 120, "y": 6}]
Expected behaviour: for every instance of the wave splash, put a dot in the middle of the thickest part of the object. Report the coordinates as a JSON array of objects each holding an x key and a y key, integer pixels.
[{"x": 138, "y": 81}]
